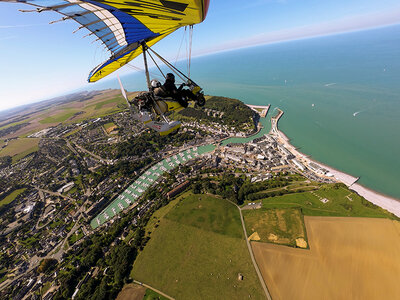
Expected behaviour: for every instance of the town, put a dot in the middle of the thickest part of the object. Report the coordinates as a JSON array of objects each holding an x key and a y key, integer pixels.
[{"x": 81, "y": 169}]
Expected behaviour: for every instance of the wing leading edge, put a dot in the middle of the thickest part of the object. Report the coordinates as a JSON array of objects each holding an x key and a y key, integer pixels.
[{"x": 121, "y": 25}]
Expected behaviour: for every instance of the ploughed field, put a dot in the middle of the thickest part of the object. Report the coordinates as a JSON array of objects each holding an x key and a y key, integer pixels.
[
  {"x": 349, "y": 258},
  {"x": 197, "y": 251}
]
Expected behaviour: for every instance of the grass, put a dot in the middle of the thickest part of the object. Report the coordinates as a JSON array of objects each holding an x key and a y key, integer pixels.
[
  {"x": 4, "y": 278},
  {"x": 11, "y": 197},
  {"x": 19, "y": 148},
  {"x": 193, "y": 256},
  {"x": 161, "y": 212},
  {"x": 115, "y": 100},
  {"x": 72, "y": 132},
  {"x": 60, "y": 117},
  {"x": 30, "y": 241},
  {"x": 75, "y": 237},
  {"x": 45, "y": 288},
  {"x": 3, "y": 273},
  {"x": 208, "y": 213},
  {"x": 338, "y": 205},
  {"x": 152, "y": 295},
  {"x": 15, "y": 123},
  {"x": 55, "y": 223},
  {"x": 109, "y": 127},
  {"x": 93, "y": 109},
  {"x": 280, "y": 226}
]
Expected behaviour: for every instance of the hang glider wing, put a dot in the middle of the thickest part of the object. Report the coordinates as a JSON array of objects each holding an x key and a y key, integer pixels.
[{"x": 122, "y": 24}]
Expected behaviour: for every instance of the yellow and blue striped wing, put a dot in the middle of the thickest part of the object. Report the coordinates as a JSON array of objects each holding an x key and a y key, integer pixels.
[{"x": 121, "y": 25}]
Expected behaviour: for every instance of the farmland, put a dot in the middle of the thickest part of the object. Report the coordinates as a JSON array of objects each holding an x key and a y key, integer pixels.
[
  {"x": 197, "y": 251},
  {"x": 77, "y": 113},
  {"x": 280, "y": 226},
  {"x": 10, "y": 198},
  {"x": 353, "y": 258},
  {"x": 20, "y": 148},
  {"x": 77, "y": 110}
]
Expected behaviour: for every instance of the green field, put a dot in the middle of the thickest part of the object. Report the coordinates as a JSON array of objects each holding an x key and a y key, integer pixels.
[
  {"x": 60, "y": 117},
  {"x": 152, "y": 295},
  {"x": 72, "y": 132},
  {"x": 20, "y": 148},
  {"x": 208, "y": 213},
  {"x": 75, "y": 237},
  {"x": 197, "y": 251},
  {"x": 108, "y": 125},
  {"x": 93, "y": 109},
  {"x": 280, "y": 226},
  {"x": 11, "y": 197},
  {"x": 338, "y": 204},
  {"x": 16, "y": 123},
  {"x": 114, "y": 101}
]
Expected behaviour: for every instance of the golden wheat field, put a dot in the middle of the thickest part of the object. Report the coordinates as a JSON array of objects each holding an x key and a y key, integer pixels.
[{"x": 349, "y": 258}]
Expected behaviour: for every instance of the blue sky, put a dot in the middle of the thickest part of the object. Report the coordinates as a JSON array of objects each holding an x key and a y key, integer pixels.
[{"x": 39, "y": 60}]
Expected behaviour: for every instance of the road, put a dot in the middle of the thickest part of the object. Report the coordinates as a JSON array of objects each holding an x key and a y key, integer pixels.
[
  {"x": 264, "y": 286},
  {"x": 102, "y": 160}
]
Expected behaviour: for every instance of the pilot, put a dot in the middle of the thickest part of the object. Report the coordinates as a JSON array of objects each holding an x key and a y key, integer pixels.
[{"x": 179, "y": 94}]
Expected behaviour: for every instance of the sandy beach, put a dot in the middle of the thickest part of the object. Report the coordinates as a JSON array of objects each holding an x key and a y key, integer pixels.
[{"x": 389, "y": 203}]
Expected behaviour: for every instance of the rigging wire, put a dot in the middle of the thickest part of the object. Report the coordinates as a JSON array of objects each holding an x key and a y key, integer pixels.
[
  {"x": 190, "y": 48},
  {"x": 141, "y": 70},
  {"x": 171, "y": 66},
  {"x": 156, "y": 64},
  {"x": 180, "y": 46}
]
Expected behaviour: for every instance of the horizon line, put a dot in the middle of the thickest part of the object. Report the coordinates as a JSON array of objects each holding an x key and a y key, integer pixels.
[{"x": 223, "y": 50}]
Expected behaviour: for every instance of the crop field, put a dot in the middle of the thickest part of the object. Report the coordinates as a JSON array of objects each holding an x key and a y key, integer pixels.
[
  {"x": 109, "y": 127},
  {"x": 10, "y": 198},
  {"x": 197, "y": 252},
  {"x": 59, "y": 117},
  {"x": 106, "y": 103},
  {"x": 279, "y": 226},
  {"x": 349, "y": 258},
  {"x": 20, "y": 148},
  {"x": 74, "y": 113},
  {"x": 328, "y": 201}
]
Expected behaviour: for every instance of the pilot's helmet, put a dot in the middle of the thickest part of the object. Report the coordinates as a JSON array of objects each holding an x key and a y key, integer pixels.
[
  {"x": 170, "y": 76},
  {"x": 155, "y": 83}
]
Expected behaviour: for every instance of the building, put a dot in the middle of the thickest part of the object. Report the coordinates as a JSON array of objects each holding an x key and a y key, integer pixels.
[{"x": 178, "y": 189}]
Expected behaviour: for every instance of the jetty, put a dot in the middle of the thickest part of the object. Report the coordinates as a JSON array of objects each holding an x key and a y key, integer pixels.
[
  {"x": 274, "y": 124},
  {"x": 262, "y": 110}
]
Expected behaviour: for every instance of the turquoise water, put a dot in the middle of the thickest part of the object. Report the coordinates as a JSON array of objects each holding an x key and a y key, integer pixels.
[
  {"x": 266, "y": 127},
  {"x": 340, "y": 95}
]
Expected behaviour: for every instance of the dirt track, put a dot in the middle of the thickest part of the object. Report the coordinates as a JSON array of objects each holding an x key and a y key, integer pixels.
[{"x": 350, "y": 258}]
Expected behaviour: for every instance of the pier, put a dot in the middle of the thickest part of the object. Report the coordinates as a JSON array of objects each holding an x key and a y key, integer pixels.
[
  {"x": 257, "y": 108},
  {"x": 274, "y": 123}
]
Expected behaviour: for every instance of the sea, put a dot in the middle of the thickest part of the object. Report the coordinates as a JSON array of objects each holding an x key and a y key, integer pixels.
[{"x": 340, "y": 95}]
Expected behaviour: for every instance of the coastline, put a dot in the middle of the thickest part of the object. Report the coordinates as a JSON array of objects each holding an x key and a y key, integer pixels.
[{"x": 384, "y": 201}]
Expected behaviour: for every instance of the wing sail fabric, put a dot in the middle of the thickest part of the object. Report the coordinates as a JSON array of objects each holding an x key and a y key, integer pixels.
[{"x": 121, "y": 25}]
